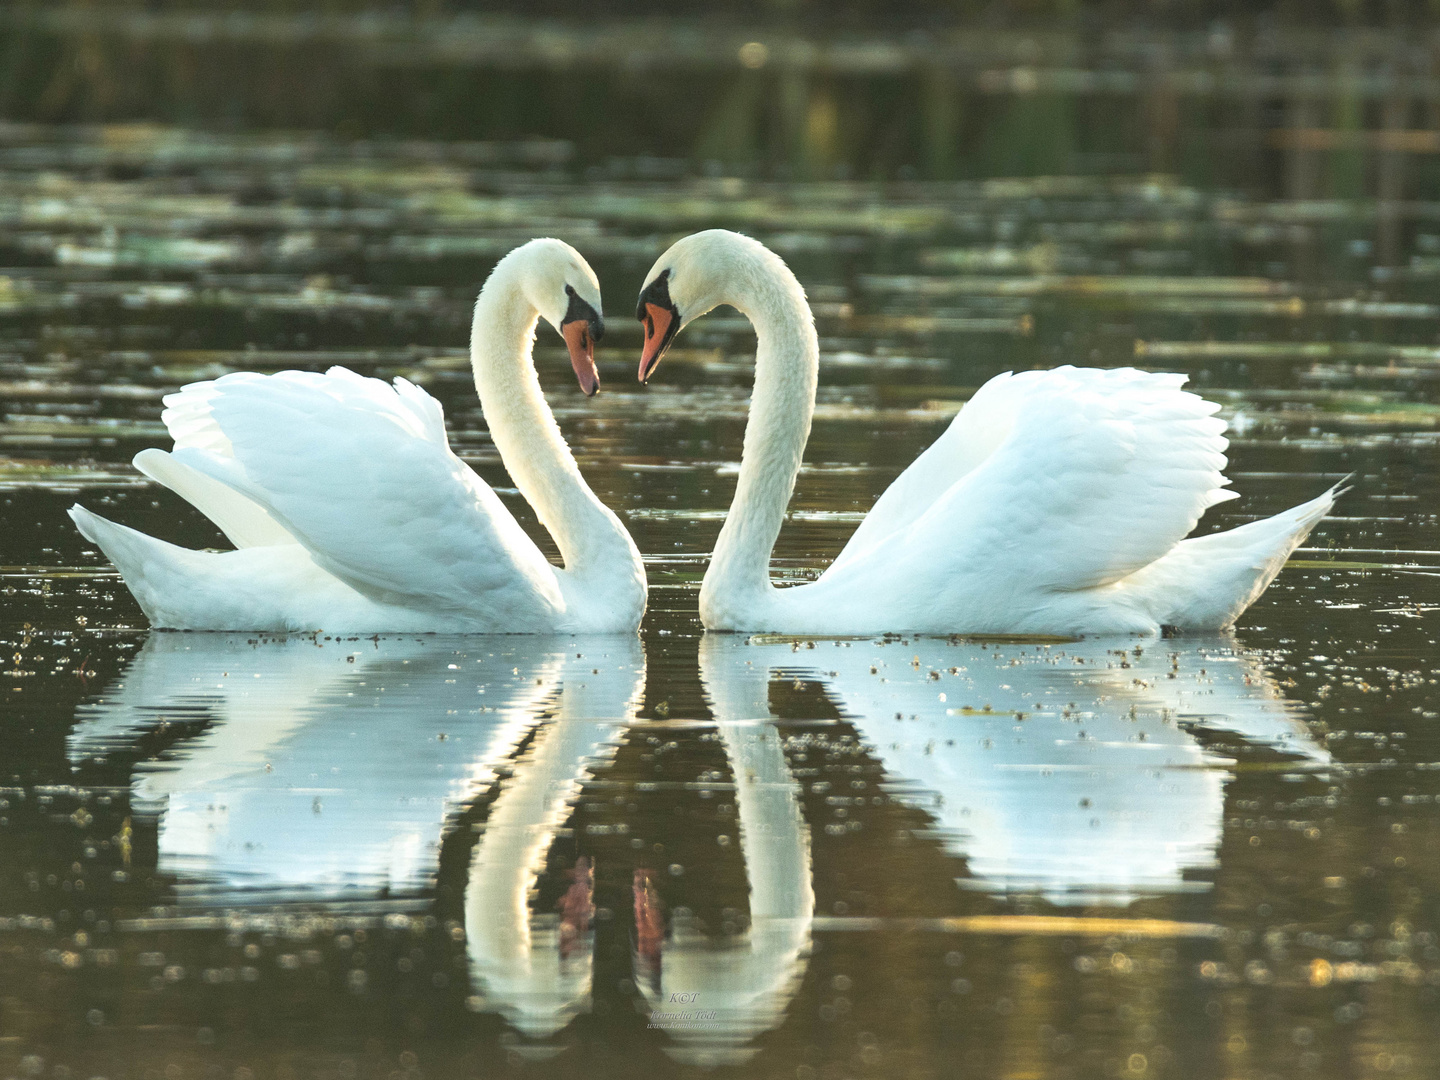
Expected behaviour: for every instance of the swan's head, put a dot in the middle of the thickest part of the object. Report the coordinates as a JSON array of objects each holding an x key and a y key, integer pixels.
[
  {"x": 699, "y": 273},
  {"x": 564, "y": 290}
]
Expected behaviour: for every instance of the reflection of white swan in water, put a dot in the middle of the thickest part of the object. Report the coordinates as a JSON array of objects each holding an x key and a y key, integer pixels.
[
  {"x": 1069, "y": 770},
  {"x": 331, "y": 768},
  {"x": 742, "y": 988},
  {"x": 536, "y": 970}
]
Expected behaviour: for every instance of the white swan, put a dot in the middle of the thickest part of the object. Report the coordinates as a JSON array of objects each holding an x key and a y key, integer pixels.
[
  {"x": 1056, "y": 502},
  {"x": 351, "y": 513}
]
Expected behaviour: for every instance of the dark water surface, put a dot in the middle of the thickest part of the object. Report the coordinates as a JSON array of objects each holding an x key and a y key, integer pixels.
[{"x": 243, "y": 857}]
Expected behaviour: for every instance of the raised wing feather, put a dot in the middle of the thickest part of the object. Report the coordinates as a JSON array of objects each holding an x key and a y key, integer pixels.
[
  {"x": 972, "y": 436},
  {"x": 244, "y": 521},
  {"x": 187, "y": 417},
  {"x": 361, "y": 473},
  {"x": 1076, "y": 479}
]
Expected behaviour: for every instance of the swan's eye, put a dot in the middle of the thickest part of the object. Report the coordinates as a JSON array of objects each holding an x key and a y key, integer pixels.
[
  {"x": 657, "y": 293},
  {"x": 580, "y": 310}
]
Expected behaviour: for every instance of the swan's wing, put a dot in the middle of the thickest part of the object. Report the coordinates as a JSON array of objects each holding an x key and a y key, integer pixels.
[
  {"x": 361, "y": 473},
  {"x": 1075, "y": 479},
  {"x": 972, "y": 436},
  {"x": 187, "y": 417},
  {"x": 243, "y": 521}
]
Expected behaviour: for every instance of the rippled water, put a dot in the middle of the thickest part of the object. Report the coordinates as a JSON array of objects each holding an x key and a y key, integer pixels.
[{"x": 252, "y": 857}]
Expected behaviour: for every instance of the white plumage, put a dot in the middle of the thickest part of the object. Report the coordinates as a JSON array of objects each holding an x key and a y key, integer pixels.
[
  {"x": 350, "y": 512},
  {"x": 1056, "y": 502}
]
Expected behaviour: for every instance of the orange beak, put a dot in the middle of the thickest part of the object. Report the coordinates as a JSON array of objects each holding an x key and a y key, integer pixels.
[
  {"x": 658, "y": 334},
  {"x": 582, "y": 355}
]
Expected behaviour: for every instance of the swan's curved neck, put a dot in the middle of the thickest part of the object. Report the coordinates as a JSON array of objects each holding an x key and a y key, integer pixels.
[
  {"x": 523, "y": 428},
  {"x": 787, "y": 360}
]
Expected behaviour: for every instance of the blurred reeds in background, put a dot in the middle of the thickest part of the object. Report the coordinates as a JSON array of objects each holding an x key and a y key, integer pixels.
[{"x": 1305, "y": 101}]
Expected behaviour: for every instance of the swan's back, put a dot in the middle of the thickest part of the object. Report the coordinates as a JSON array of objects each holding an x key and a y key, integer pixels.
[
  {"x": 1084, "y": 475},
  {"x": 1057, "y": 501}
]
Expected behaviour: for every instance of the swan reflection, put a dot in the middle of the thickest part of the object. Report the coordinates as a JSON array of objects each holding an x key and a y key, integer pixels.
[
  {"x": 714, "y": 998},
  {"x": 330, "y": 770},
  {"x": 535, "y": 969},
  {"x": 1076, "y": 771}
]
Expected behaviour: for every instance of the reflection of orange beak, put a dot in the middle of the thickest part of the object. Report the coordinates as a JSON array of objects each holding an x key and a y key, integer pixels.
[
  {"x": 657, "y": 338},
  {"x": 582, "y": 355},
  {"x": 649, "y": 920}
]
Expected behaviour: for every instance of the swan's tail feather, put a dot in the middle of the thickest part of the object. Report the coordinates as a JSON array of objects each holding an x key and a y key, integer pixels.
[
  {"x": 182, "y": 589},
  {"x": 274, "y": 588},
  {"x": 146, "y": 564},
  {"x": 1207, "y": 582}
]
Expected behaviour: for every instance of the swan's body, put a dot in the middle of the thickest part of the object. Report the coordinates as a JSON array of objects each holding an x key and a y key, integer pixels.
[
  {"x": 350, "y": 512},
  {"x": 1056, "y": 502}
]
